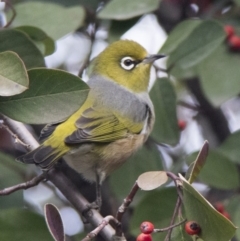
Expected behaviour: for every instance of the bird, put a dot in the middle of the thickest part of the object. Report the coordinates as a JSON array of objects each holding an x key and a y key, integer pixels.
[{"x": 114, "y": 121}]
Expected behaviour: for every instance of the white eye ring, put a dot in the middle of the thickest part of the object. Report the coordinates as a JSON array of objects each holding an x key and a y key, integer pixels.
[{"x": 127, "y": 63}]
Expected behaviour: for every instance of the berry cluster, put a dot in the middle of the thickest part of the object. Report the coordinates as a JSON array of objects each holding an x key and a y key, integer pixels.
[
  {"x": 146, "y": 229},
  {"x": 221, "y": 209},
  {"x": 232, "y": 39}
]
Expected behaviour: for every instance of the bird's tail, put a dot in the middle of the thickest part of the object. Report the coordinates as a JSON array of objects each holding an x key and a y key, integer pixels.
[{"x": 43, "y": 156}]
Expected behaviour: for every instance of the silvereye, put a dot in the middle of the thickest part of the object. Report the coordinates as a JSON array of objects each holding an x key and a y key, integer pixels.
[{"x": 113, "y": 123}]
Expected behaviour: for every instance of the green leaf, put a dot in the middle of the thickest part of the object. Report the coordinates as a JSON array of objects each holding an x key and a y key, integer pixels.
[
  {"x": 40, "y": 38},
  {"x": 13, "y": 74},
  {"x": 156, "y": 207},
  {"x": 214, "y": 226},
  {"x": 146, "y": 159},
  {"x": 201, "y": 42},
  {"x": 230, "y": 147},
  {"x": 19, "y": 224},
  {"x": 125, "y": 9},
  {"x": 164, "y": 100},
  {"x": 53, "y": 95},
  {"x": 11, "y": 173},
  {"x": 54, "y": 19},
  {"x": 16, "y": 41},
  {"x": 179, "y": 34},
  {"x": 218, "y": 171},
  {"x": 219, "y": 75}
]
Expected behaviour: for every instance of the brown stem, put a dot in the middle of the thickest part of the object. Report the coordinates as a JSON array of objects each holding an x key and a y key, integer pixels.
[
  {"x": 102, "y": 225},
  {"x": 169, "y": 227},
  {"x": 177, "y": 207},
  {"x": 70, "y": 191},
  {"x": 13, "y": 16},
  {"x": 122, "y": 209},
  {"x": 33, "y": 182},
  {"x": 17, "y": 139}
]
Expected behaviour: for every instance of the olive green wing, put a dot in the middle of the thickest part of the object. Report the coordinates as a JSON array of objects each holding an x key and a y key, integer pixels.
[{"x": 97, "y": 125}]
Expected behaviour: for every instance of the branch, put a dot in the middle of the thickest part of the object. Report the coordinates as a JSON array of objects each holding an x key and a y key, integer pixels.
[
  {"x": 103, "y": 224},
  {"x": 70, "y": 191},
  {"x": 13, "y": 16},
  {"x": 33, "y": 182},
  {"x": 169, "y": 227},
  {"x": 57, "y": 177},
  {"x": 22, "y": 133},
  {"x": 122, "y": 209}
]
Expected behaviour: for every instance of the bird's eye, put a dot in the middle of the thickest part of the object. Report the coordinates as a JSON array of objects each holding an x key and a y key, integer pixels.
[{"x": 127, "y": 63}]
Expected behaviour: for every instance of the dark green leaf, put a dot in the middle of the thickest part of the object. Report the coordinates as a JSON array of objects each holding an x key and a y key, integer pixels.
[
  {"x": 13, "y": 74},
  {"x": 201, "y": 42},
  {"x": 11, "y": 173},
  {"x": 179, "y": 34},
  {"x": 19, "y": 224},
  {"x": 54, "y": 19},
  {"x": 213, "y": 225},
  {"x": 125, "y": 9},
  {"x": 164, "y": 100},
  {"x": 231, "y": 147},
  {"x": 219, "y": 171},
  {"x": 156, "y": 207},
  {"x": 219, "y": 75},
  {"x": 53, "y": 95},
  {"x": 146, "y": 159},
  {"x": 17, "y": 41},
  {"x": 40, "y": 38}
]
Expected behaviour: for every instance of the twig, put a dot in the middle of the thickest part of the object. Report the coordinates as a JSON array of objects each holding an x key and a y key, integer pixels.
[
  {"x": 33, "y": 182},
  {"x": 92, "y": 32},
  {"x": 22, "y": 133},
  {"x": 188, "y": 105},
  {"x": 169, "y": 227},
  {"x": 96, "y": 231},
  {"x": 17, "y": 140},
  {"x": 177, "y": 207},
  {"x": 122, "y": 209},
  {"x": 13, "y": 16},
  {"x": 176, "y": 180},
  {"x": 78, "y": 201}
]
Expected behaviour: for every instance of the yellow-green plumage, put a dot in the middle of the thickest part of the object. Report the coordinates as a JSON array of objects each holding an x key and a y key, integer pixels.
[{"x": 114, "y": 121}]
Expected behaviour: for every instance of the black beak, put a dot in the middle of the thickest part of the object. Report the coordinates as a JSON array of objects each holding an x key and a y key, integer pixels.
[{"x": 153, "y": 57}]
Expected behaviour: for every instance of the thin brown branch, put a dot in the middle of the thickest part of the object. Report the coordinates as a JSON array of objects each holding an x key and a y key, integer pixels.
[
  {"x": 16, "y": 138},
  {"x": 103, "y": 224},
  {"x": 169, "y": 227},
  {"x": 71, "y": 192},
  {"x": 176, "y": 210},
  {"x": 13, "y": 16},
  {"x": 189, "y": 106},
  {"x": 176, "y": 181},
  {"x": 33, "y": 182},
  {"x": 122, "y": 209},
  {"x": 21, "y": 132},
  {"x": 91, "y": 34}
]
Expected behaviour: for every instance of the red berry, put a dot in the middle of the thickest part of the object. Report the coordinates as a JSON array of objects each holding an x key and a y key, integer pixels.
[
  {"x": 219, "y": 207},
  {"x": 229, "y": 30},
  {"x": 192, "y": 228},
  {"x": 226, "y": 215},
  {"x": 182, "y": 124},
  {"x": 144, "y": 237},
  {"x": 146, "y": 227},
  {"x": 234, "y": 42}
]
